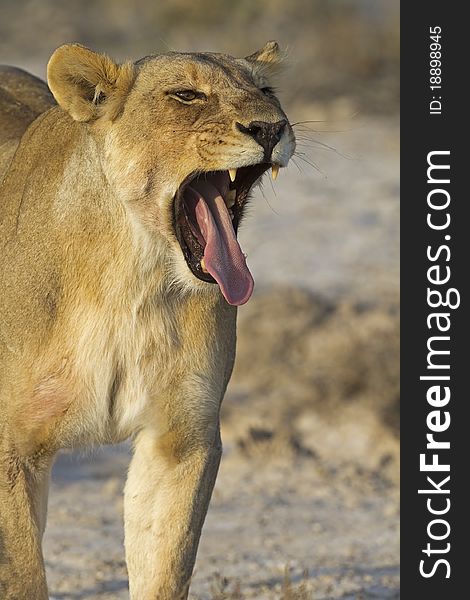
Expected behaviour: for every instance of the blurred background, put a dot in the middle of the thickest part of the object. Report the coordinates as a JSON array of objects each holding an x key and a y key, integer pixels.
[
  {"x": 306, "y": 504},
  {"x": 336, "y": 48}
]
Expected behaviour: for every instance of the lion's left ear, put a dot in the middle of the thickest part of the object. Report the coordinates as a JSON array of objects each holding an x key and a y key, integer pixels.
[
  {"x": 266, "y": 62},
  {"x": 270, "y": 53},
  {"x": 86, "y": 84}
]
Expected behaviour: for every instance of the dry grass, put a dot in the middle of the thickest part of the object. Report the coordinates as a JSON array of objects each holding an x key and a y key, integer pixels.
[
  {"x": 290, "y": 591},
  {"x": 224, "y": 589}
]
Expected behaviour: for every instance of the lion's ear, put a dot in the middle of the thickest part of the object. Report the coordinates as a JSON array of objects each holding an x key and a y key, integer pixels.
[
  {"x": 86, "y": 84},
  {"x": 270, "y": 54},
  {"x": 266, "y": 62}
]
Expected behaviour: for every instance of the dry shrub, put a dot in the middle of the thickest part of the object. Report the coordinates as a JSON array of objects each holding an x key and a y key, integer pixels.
[
  {"x": 223, "y": 589},
  {"x": 290, "y": 591},
  {"x": 299, "y": 352}
]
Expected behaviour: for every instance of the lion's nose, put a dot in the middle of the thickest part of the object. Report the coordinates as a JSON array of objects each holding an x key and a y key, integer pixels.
[{"x": 266, "y": 134}]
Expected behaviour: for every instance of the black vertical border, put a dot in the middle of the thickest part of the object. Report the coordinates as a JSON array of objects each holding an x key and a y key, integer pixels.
[{"x": 420, "y": 134}]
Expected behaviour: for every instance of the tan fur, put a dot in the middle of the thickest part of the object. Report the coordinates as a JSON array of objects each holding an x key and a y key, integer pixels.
[{"x": 105, "y": 334}]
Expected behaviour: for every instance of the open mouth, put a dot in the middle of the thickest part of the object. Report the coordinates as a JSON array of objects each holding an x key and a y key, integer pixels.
[{"x": 208, "y": 208}]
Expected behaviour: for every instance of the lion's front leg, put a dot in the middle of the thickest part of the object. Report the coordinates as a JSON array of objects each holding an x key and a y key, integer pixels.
[
  {"x": 167, "y": 494},
  {"x": 24, "y": 483}
]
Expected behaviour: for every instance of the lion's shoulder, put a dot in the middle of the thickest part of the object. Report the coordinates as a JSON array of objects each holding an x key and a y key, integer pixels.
[{"x": 22, "y": 98}]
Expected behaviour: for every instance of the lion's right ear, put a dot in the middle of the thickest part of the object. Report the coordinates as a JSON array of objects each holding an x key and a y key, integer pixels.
[{"x": 88, "y": 85}]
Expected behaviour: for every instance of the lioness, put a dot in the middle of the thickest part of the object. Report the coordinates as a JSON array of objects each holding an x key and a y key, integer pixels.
[{"x": 120, "y": 275}]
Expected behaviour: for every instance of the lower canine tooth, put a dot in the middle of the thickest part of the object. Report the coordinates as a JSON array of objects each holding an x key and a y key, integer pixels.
[
  {"x": 275, "y": 171},
  {"x": 203, "y": 266},
  {"x": 232, "y": 173}
]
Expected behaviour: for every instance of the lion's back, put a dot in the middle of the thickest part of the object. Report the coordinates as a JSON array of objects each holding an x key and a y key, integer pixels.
[{"x": 22, "y": 98}]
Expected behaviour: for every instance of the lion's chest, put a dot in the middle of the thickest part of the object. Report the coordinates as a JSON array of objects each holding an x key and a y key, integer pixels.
[
  {"x": 132, "y": 364},
  {"x": 112, "y": 373},
  {"x": 103, "y": 374}
]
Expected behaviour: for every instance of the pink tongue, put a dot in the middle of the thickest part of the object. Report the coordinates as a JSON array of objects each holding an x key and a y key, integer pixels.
[{"x": 223, "y": 257}]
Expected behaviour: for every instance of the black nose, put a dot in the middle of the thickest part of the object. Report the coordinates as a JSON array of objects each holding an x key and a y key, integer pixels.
[{"x": 266, "y": 134}]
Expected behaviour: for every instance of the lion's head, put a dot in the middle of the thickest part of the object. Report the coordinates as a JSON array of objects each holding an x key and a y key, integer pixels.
[{"x": 183, "y": 139}]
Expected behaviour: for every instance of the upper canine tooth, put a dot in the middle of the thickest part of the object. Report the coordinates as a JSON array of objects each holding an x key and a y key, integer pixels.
[
  {"x": 232, "y": 173},
  {"x": 275, "y": 171},
  {"x": 230, "y": 198}
]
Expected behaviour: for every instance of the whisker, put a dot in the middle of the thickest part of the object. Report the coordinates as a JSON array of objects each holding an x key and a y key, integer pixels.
[
  {"x": 306, "y": 130},
  {"x": 310, "y": 121},
  {"x": 312, "y": 143},
  {"x": 302, "y": 156},
  {"x": 272, "y": 186},
  {"x": 296, "y": 164},
  {"x": 266, "y": 199}
]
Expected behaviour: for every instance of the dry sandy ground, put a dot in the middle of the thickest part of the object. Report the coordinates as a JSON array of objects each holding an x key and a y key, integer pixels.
[
  {"x": 309, "y": 478},
  {"x": 265, "y": 514}
]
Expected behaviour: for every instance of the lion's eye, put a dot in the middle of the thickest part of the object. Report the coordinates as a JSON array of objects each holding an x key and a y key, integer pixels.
[
  {"x": 269, "y": 91},
  {"x": 188, "y": 95}
]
